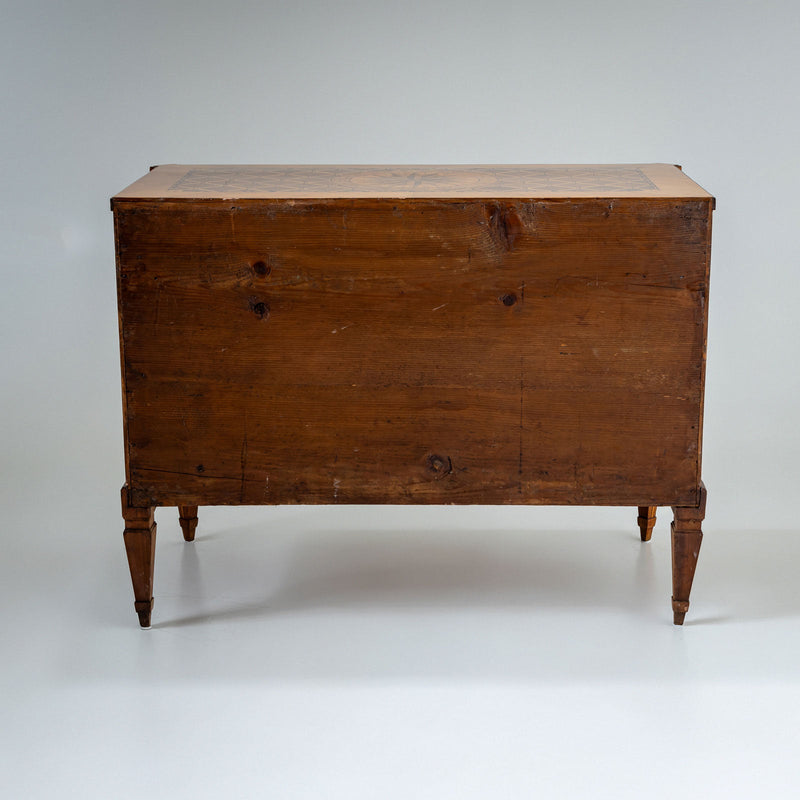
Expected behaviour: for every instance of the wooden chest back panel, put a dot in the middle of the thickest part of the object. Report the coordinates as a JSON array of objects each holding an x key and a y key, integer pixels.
[{"x": 417, "y": 351}]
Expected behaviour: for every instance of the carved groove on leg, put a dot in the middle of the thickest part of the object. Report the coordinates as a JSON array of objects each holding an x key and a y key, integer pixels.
[
  {"x": 647, "y": 521},
  {"x": 687, "y": 537},
  {"x": 140, "y": 546},
  {"x": 188, "y": 520}
]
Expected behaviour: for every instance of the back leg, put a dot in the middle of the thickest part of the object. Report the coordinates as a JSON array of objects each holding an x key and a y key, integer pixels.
[
  {"x": 647, "y": 520},
  {"x": 188, "y": 520}
]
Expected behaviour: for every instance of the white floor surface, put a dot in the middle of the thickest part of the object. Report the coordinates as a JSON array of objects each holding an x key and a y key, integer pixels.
[{"x": 380, "y": 652}]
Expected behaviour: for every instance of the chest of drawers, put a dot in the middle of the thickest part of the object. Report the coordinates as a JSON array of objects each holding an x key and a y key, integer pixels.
[{"x": 433, "y": 335}]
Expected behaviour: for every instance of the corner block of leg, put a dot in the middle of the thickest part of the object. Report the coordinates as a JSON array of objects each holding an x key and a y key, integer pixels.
[
  {"x": 140, "y": 546},
  {"x": 647, "y": 521},
  {"x": 687, "y": 536},
  {"x": 188, "y": 520}
]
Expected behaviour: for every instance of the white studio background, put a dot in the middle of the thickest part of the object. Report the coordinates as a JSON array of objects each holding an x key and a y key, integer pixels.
[{"x": 95, "y": 91}]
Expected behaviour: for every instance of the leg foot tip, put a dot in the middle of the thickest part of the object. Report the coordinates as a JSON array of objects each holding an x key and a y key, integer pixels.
[
  {"x": 646, "y": 535},
  {"x": 188, "y": 526},
  {"x": 187, "y": 516},
  {"x": 144, "y": 608},
  {"x": 679, "y": 609}
]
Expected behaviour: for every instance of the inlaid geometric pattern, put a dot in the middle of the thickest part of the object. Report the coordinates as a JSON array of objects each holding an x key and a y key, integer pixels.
[{"x": 415, "y": 181}]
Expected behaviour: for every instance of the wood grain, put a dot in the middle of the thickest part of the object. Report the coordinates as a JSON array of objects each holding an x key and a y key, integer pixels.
[{"x": 550, "y": 352}]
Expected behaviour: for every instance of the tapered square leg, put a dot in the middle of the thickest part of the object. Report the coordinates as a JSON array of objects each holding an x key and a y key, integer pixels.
[
  {"x": 647, "y": 521},
  {"x": 140, "y": 546},
  {"x": 188, "y": 520},
  {"x": 686, "y": 539}
]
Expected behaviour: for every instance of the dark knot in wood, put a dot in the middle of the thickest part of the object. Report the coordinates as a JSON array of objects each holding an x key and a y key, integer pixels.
[
  {"x": 504, "y": 224},
  {"x": 259, "y": 308},
  {"x": 440, "y": 465}
]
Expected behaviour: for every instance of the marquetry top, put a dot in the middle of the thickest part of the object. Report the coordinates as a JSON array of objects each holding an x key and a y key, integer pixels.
[{"x": 520, "y": 182}]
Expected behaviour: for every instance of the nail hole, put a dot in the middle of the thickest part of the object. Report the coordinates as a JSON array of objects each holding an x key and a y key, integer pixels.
[
  {"x": 262, "y": 268},
  {"x": 508, "y": 299}
]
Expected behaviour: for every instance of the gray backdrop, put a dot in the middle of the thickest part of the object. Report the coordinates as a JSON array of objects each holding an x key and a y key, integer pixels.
[{"x": 93, "y": 92}]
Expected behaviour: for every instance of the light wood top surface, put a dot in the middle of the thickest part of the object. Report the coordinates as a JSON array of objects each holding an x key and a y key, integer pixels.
[{"x": 323, "y": 182}]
